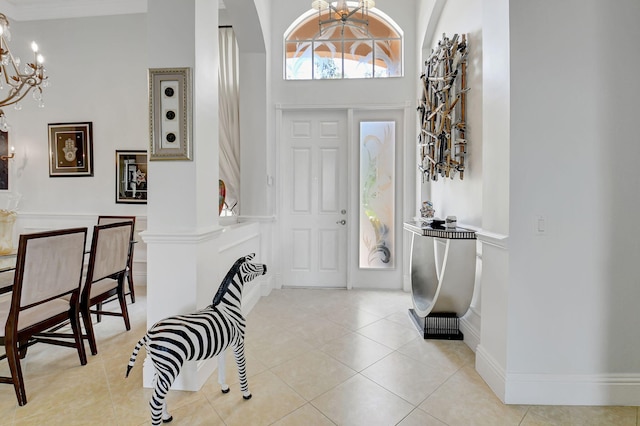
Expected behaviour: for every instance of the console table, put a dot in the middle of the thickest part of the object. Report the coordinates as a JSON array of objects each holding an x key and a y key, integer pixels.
[{"x": 442, "y": 278}]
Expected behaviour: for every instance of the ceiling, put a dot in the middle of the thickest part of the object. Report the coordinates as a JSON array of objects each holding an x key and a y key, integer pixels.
[{"x": 28, "y": 10}]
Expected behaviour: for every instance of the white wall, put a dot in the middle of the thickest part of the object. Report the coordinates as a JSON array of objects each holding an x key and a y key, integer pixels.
[
  {"x": 491, "y": 353},
  {"x": 462, "y": 198},
  {"x": 573, "y": 291},
  {"x": 97, "y": 69},
  {"x": 558, "y": 307}
]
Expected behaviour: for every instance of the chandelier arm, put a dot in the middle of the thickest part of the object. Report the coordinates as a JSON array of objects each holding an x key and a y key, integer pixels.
[
  {"x": 18, "y": 84},
  {"x": 10, "y": 100},
  {"x": 351, "y": 13},
  {"x": 340, "y": 13},
  {"x": 337, "y": 22}
]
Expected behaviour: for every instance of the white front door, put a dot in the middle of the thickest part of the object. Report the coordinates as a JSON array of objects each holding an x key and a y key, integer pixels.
[{"x": 314, "y": 199}]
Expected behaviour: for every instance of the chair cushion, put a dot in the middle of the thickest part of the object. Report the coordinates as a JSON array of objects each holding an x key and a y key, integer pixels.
[
  {"x": 98, "y": 288},
  {"x": 33, "y": 315},
  {"x": 103, "y": 286}
]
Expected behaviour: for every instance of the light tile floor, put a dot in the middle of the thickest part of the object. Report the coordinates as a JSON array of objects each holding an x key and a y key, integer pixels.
[{"x": 314, "y": 357}]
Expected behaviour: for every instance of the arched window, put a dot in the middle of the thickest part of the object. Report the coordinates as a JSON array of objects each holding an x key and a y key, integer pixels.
[{"x": 343, "y": 51}]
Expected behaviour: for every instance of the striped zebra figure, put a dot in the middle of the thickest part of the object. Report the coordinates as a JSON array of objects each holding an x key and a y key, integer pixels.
[{"x": 200, "y": 335}]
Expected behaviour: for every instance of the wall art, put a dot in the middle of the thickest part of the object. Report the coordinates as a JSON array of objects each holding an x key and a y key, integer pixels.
[
  {"x": 131, "y": 177},
  {"x": 377, "y": 194},
  {"x": 442, "y": 140},
  {"x": 5, "y": 156},
  {"x": 170, "y": 114},
  {"x": 70, "y": 149}
]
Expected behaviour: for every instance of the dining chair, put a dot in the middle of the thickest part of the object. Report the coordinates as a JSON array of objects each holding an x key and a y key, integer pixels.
[
  {"x": 102, "y": 220},
  {"x": 106, "y": 274},
  {"x": 45, "y": 293}
]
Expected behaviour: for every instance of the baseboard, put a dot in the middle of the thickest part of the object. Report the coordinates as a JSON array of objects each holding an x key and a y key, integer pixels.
[
  {"x": 471, "y": 333},
  {"x": 491, "y": 372},
  {"x": 266, "y": 286},
  {"x": 558, "y": 389}
]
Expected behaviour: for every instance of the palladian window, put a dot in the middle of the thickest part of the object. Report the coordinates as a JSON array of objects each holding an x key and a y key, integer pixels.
[{"x": 320, "y": 45}]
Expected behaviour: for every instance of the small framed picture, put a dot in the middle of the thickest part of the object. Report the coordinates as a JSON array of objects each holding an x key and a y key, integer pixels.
[
  {"x": 6, "y": 154},
  {"x": 170, "y": 113},
  {"x": 131, "y": 177},
  {"x": 70, "y": 149}
]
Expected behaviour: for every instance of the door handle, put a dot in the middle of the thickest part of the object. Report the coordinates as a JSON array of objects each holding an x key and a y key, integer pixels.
[{"x": 341, "y": 222}]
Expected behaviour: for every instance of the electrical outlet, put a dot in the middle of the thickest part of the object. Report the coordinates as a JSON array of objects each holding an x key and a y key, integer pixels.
[{"x": 540, "y": 225}]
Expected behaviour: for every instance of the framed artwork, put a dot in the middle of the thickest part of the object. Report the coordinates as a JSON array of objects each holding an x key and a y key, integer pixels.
[
  {"x": 4, "y": 161},
  {"x": 70, "y": 149},
  {"x": 131, "y": 177},
  {"x": 442, "y": 140},
  {"x": 377, "y": 194},
  {"x": 170, "y": 113}
]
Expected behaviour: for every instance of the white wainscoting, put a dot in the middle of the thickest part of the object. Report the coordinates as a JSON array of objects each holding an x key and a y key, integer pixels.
[{"x": 491, "y": 357}]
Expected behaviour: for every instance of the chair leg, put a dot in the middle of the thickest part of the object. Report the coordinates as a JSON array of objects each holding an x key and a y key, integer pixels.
[
  {"x": 132, "y": 291},
  {"x": 22, "y": 351},
  {"x": 123, "y": 307},
  {"x": 88, "y": 327},
  {"x": 74, "y": 319},
  {"x": 99, "y": 315},
  {"x": 13, "y": 358}
]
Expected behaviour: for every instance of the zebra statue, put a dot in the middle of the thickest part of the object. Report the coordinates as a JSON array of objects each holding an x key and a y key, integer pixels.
[{"x": 200, "y": 335}]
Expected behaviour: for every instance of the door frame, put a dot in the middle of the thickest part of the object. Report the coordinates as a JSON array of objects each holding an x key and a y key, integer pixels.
[{"x": 405, "y": 185}]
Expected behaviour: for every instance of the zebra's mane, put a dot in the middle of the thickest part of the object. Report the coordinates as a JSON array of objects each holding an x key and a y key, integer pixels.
[{"x": 226, "y": 282}]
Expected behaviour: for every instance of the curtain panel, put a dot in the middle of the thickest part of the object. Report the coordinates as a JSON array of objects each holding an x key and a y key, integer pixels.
[{"x": 229, "y": 112}]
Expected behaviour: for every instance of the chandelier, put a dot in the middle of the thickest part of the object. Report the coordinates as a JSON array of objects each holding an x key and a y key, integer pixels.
[
  {"x": 343, "y": 13},
  {"x": 18, "y": 84}
]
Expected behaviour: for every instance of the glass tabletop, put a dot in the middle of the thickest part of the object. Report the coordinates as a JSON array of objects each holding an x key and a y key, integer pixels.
[{"x": 7, "y": 266}]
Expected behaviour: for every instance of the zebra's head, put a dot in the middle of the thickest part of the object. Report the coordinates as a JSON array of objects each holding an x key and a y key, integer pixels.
[
  {"x": 248, "y": 270},
  {"x": 244, "y": 270}
]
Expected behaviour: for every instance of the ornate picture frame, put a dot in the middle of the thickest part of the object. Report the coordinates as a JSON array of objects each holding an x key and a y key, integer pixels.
[
  {"x": 170, "y": 114},
  {"x": 131, "y": 177},
  {"x": 70, "y": 149}
]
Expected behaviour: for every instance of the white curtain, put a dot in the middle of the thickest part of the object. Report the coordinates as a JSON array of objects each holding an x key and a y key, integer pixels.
[{"x": 229, "y": 131}]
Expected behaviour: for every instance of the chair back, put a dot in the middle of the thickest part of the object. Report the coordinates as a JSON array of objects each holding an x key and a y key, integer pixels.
[
  {"x": 105, "y": 220},
  {"x": 49, "y": 265},
  {"x": 109, "y": 250}
]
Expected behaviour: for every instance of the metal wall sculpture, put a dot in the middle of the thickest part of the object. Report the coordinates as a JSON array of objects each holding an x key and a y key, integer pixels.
[{"x": 442, "y": 140}]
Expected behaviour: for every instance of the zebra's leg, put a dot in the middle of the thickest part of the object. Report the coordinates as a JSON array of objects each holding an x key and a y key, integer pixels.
[
  {"x": 166, "y": 417},
  {"x": 158, "y": 403},
  {"x": 222, "y": 373},
  {"x": 238, "y": 351}
]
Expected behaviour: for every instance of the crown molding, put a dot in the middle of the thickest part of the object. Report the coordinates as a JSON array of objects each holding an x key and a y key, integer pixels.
[{"x": 33, "y": 10}]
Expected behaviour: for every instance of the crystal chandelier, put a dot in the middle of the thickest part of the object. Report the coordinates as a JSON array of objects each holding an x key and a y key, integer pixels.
[
  {"x": 343, "y": 13},
  {"x": 18, "y": 84}
]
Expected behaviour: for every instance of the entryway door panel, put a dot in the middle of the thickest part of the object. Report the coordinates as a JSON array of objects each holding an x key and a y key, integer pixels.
[{"x": 314, "y": 199}]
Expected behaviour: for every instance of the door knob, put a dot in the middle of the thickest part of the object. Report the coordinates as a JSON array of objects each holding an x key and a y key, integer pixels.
[{"x": 341, "y": 222}]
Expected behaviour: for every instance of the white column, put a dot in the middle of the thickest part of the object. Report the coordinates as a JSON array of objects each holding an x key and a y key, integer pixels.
[{"x": 183, "y": 200}]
